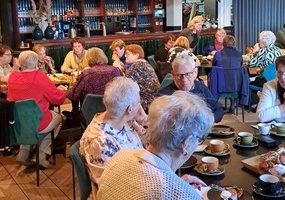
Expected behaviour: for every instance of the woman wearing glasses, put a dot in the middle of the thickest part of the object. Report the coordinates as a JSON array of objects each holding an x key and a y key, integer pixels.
[
  {"x": 184, "y": 78},
  {"x": 272, "y": 102},
  {"x": 150, "y": 173}
]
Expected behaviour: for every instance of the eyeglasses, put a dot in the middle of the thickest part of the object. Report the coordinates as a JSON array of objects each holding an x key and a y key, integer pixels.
[
  {"x": 8, "y": 54},
  {"x": 186, "y": 75},
  {"x": 280, "y": 73}
]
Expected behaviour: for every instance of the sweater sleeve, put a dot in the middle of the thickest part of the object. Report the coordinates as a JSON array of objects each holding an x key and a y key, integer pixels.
[
  {"x": 67, "y": 61},
  {"x": 76, "y": 91}
]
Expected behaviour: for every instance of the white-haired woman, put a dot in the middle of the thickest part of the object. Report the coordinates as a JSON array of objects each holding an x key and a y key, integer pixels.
[
  {"x": 192, "y": 32},
  {"x": 113, "y": 130},
  {"x": 264, "y": 52},
  {"x": 176, "y": 125},
  {"x": 31, "y": 83}
]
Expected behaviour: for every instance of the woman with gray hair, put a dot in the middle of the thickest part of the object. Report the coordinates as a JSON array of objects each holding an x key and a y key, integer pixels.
[
  {"x": 264, "y": 52},
  {"x": 114, "y": 129},
  {"x": 176, "y": 125},
  {"x": 31, "y": 83}
]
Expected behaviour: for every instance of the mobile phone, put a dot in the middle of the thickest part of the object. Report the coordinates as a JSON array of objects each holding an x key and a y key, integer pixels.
[{"x": 266, "y": 141}]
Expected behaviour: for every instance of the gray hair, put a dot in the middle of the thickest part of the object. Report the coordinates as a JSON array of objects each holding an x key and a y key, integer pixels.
[
  {"x": 120, "y": 93},
  {"x": 28, "y": 59},
  {"x": 172, "y": 119},
  {"x": 183, "y": 59},
  {"x": 267, "y": 38}
]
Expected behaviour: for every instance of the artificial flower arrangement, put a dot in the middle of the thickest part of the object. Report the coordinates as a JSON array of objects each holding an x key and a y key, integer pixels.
[{"x": 43, "y": 13}]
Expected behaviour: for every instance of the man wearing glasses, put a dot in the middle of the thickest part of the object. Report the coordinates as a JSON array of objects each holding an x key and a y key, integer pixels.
[{"x": 184, "y": 75}]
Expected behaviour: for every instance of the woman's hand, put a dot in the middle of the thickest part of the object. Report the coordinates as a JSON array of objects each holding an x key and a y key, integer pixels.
[{"x": 193, "y": 180}]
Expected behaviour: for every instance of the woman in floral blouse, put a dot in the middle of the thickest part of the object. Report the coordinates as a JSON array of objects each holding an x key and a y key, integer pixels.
[
  {"x": 142, "y": 73},
  {"x": 116, "y": 128}
]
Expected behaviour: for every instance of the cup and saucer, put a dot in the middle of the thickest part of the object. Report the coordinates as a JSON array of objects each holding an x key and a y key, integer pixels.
[
  {"x": 268, "y": 186},
  {"x": 217, "y": 148},
  {"x": 209, "y": 166},
  {"x": 245, "y": 140}
]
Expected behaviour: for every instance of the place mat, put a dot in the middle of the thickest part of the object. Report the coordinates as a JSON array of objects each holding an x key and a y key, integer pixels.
[{"x": 222, "y": 131}]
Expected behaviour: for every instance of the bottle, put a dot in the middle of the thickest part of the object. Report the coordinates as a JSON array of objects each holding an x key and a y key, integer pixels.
[
  {"x": 104, "y": 28},
  {"x": 72, "y": 31},
  {"x": 59, "y": 30},
  {"x": 87, "y": 29}
]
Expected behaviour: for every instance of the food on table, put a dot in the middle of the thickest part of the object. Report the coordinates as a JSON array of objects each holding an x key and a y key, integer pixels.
[
  {"x": 59, "y": 78},
  {"x": 270, "y": 159}
]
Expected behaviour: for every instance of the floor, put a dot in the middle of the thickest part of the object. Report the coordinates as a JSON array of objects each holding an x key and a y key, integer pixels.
[{"x": 16, "y": 182}]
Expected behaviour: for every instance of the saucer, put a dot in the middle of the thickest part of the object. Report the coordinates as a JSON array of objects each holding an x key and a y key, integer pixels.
[
  {"x": 217, "y": 172},
  {"x": 191, "y": 162},
  {"x": 223, "y": 153},
  {"x": 256, "y": 188},
  {"x": 222, "y": 131},
  {"x": 252, "y": 145},
  {"x": 276, "y": 134}
]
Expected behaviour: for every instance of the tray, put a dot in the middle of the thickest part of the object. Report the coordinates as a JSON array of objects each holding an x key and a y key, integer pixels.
[{"x": 253, "y": 164}]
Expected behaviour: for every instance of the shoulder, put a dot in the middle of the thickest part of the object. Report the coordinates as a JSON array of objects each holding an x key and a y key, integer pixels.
[{"x": 271, "y": 85}]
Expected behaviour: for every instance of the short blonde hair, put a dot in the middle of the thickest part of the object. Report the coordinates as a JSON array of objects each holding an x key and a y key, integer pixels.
[
  {"x": 182, "y": 41},
  {"x": 117, "y": 43},
  {"x": 136, "y": 49},
  {"x": 221, "y": 31},
  {"x": 96, "y": 56},
  {"x": 195, "y": 20}
]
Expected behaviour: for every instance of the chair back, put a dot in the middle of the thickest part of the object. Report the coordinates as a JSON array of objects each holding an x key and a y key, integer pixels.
[
  {"x": 27, "y": 116},
  {"x": 162, "y": 69},
  {"x": 269, "y": 73},
  {"x": 84, "y": 182},
  {"x": 168, "y": 79},
  {"x": 92, "y": 104},
  {"x": 151, "y": 61}
]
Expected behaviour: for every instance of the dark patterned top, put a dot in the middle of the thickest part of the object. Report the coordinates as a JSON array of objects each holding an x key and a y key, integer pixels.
[
  {"x": 143, "y": 73},
  {"x": 93, "y": 81},
  {"x": 264, "y": 57}
]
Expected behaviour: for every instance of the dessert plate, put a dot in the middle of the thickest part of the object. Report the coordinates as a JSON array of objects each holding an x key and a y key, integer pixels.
[{"x": 222, "y": 131}]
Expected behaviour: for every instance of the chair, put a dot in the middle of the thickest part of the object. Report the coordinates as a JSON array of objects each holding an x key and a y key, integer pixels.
[
  {"x": 27, "y": 117},
  {"x": 84, "y": 182},
  {"x": 92, "y": 104},
  {"x": 168, "y": 79},
  {"x": 230, "y": 83},
  {"x": 162, "y": 69},
  {"x": 151, "y": 61}
]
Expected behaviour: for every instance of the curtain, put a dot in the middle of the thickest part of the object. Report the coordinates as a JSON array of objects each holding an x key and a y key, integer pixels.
[{"x": 250, "y": 17}]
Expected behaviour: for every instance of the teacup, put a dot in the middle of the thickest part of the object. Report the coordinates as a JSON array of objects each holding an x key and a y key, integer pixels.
[
  {"x": 210, "y": 163},
  {"x": 279, "y": 127},
  {"x": 263, "y": 128},
  {"x": 270, "y": 184},
  {"x": 217, "y": 146},
  {"x": 245, "y": 138}
]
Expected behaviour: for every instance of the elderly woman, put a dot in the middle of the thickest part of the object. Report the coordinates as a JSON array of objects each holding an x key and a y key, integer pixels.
[
  {"x": 180, "y": 46},
  {"x": 94, "y": 79},
  {"x": 172, "y": 140},
  {"x": 46, "y": 63},
  {"x": 113, "y": 130},
  {"x": 217, "y": 44},
  {"x": 31, "y": 83},
  {"x": 272, "y": 101},
  {"x": 142, "y": 73},
  {"x": 229, "y": 56},
  {"x": 192, "y": 31},
  {"x": 75, "y": 60},
  {"x": 264, "y": 52},
  {"x": 161, "y": 54}
]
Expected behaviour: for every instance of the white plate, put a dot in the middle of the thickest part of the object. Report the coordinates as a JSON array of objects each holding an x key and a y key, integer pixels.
[{"x": 200, "y": 148}]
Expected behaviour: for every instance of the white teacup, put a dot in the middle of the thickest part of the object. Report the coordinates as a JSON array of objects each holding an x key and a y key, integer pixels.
[{"x": 263, "y": 128}]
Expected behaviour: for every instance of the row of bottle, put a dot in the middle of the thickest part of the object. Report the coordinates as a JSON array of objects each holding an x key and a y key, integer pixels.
[
  {"x": 26, "y": 25},
  {"x": 94, "y": 22},
  {"x": 119, "y": 4}
]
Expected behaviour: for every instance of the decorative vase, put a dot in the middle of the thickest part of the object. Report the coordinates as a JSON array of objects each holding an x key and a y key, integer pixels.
[
  {"x": 38, "y": 33},
  {"x": 49, "y": 33}
]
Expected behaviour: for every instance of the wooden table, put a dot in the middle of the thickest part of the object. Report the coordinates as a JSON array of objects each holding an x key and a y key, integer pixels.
[{"x": 235, "y": 173}]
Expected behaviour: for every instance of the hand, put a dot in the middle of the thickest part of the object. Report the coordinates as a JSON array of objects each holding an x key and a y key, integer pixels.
[
  {"x": 3, "y": 87},
  {"x": 213, "y": 53},
  {"x": 115, "y": 57},
  {"x": 47, "y": 59},
  {"x": 197, "y": 63},
  {"x": 16, "y": 64},
  {"x": 193, "y": 180},
  {"x": 141, "y": 116},
  {"x": 62, "y": 87},
  {"x": 68, "y": 70},
  {"x": 256, "y": 48}
]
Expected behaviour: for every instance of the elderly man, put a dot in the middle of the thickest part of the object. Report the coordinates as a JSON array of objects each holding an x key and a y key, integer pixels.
[{"x": 184, "y": 73}]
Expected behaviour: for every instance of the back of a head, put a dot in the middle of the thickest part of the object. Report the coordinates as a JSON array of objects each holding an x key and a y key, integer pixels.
[
  {"x": 183, "y": 60},
  {"x": 96, "y": 56},
  {"x": 229, "y": 41},
  {"x": 119, "y": 94},
  {"x": 182, "y": 41},
  {"x": 117, "y": 43},
  {"x": 267, "y": 38},
  {"x": 136, "y": 49},
  {"x": 28, "y": 60},
  {"x": 174, "y": 118}
]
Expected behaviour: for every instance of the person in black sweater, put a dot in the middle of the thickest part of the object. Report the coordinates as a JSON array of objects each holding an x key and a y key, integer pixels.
[
  {"x": 184, "y": 74},
  {"x": 161, "y": 54}
]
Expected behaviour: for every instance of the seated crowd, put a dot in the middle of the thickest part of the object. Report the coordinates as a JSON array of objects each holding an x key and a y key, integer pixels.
[{"x": 147, "y": 129}]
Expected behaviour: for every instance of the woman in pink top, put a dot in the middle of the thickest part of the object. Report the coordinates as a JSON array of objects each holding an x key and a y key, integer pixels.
[{"x": 33, "y": 83}]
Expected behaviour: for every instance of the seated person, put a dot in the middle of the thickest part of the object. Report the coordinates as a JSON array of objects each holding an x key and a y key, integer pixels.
[
  {"x": 161, "y": 54},
  {"x": 113, "y": 130},
  {"x": 94, "y": 79},
  {"x": 216, "y": 44},
  {"x": 118, "y": 47},
  {"x": 272, "y": 102},
  {"x": 229, "y": 56},
  {"x": 176, "y": 125},
  {"x": 5, "y": 68},
  {"x": 264, "y": 53},
  {"x": 280, "y": 37},
  {"x": 75, "y": 60},
  {"x": 46, "y": 63},
  {"x": 184, "y": 74},
  {"x": 142, "y": 73},
  {"x": 31, "y": 83}
]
